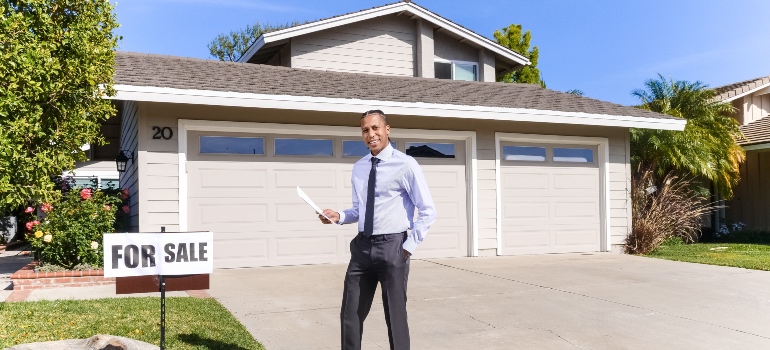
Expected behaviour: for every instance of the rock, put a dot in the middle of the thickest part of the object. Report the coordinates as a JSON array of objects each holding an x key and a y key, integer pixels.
[{"x": 97, "y": 342}]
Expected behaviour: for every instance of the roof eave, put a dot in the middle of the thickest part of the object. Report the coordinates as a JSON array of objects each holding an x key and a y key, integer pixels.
[
  {"x": 251, "y": 100},
  {"x": 745, "y": 93},
  {"x": 394, "y": 8}
]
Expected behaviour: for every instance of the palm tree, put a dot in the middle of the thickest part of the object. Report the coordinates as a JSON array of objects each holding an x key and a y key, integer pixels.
[{"x": 706, "y": 148}]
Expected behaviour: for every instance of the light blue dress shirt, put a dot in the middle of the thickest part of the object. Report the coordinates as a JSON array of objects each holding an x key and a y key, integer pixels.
[{"x": 400, "y": 188}]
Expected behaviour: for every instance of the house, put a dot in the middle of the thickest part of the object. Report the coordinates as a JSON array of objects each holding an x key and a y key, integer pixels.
[
  {"x": 513, "y": 168},
  {"x": 751, "y": 100}
]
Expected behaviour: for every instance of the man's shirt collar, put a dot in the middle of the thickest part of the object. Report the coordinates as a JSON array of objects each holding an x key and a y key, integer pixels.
[{"x": 386, "y": 153}]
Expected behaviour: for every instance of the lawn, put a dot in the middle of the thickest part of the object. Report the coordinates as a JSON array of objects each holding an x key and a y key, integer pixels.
[
  {"x": 191, "y": 323},
  {"x": 746, "y": 255}
]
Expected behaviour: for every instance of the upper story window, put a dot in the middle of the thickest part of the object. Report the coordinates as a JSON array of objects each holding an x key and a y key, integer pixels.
[{"x": 456, "y": 70}]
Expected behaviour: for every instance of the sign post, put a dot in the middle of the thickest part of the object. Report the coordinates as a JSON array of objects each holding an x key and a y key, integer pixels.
[{"x": 141, "y": 262}]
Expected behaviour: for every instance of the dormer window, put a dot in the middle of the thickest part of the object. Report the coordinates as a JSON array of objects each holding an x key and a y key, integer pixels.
[{"x": 456, "y": 70}]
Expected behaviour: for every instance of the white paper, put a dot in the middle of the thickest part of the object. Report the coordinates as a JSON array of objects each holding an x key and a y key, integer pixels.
[{"x": 310, "y": 202}]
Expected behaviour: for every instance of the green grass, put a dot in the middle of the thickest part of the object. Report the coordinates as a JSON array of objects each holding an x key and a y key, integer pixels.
[
  {"x": 746, "y": 255},
  {"x": 191, "y": 323}
]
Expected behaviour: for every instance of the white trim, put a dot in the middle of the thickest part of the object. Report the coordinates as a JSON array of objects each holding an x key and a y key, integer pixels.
[
  {"x": 757, "y": 147},
  {"x": 253, "y": 49},
  {"x": 746, "y": 93},
  {"x": 604, "y": 173},
  {"x": 469, "y": 137},
  {"x": 238, "y": 99},
  {"x": 182, "y": 151},
  {"x": 394, "y": 8}
]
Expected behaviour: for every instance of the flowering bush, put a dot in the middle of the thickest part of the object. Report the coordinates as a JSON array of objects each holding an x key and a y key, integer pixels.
[{"x": 70, "y": 234}]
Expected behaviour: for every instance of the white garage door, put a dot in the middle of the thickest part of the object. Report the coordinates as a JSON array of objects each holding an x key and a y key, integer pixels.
[
  {"x": 242, "y": 187},
  {"x": 550, "y": 198}
]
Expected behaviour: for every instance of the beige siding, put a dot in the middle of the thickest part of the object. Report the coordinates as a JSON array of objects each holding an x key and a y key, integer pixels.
[
  {"x": 452, "y": 49},
  {"x": 159, "y": 172},
  {"x": 160, "y": 166},
  {"x": 757, "y": 108},
  {"x": 129, "y": 142},
  {"x": 383, "y": 46},
  {"x": 486, "y": 66},
  {"x": 424, "y": 49}
]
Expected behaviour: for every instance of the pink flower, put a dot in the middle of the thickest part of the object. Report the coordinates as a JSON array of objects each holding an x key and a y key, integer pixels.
[
  {"x": 46, "y": 207},
  {"x": 86, "y": 193},
  {"x": 124, "y": 193},
  {"x": 29, "y": 210},
  {"x": 126, "y": 209},
  {"x": 32, "y": 224},
  {"x": 106, "y": 207}
]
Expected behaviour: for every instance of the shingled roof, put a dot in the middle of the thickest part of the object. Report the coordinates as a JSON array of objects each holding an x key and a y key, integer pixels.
[
  {"x": 756, "y": 132},
  {"x": 148, "y": 70},
  {"x": 729, "y": 92}
]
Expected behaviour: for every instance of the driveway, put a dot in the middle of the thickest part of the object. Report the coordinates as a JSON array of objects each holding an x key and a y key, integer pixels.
[{"x": 566, "y": 301}]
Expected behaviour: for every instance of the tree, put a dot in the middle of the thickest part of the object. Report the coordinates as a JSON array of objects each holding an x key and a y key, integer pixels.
[
  {"x": 513, "y": 38},
  {"x": 232, "y": 46},
  {"x": 706, "y": 148},
  {"x": 58, "y": 65}
]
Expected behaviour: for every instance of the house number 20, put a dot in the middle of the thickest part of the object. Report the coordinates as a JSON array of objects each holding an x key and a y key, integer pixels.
[{"x": 164, "y": 133}]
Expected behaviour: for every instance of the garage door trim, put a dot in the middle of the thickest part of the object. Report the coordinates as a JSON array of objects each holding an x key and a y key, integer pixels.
[
  {"x": 604, "y": 182},
  {"x": 185, "y": 125}
]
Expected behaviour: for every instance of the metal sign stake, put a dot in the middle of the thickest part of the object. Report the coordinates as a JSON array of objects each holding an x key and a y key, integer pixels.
[{"x": 162, "y": 280}]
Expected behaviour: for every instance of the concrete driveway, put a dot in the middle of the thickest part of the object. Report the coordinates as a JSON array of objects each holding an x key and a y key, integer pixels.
[{"x": 568, "y": 301}]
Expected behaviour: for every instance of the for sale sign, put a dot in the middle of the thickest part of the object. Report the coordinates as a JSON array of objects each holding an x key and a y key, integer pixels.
[{"x": 172, "y": 253}]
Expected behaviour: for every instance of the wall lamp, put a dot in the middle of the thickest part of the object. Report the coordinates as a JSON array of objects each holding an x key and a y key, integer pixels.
[{"x": 122, "y": 161}]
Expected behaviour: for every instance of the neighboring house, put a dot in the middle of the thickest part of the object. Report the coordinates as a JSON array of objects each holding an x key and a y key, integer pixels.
[
  {"x": 750, "y": 203},
  {"x": 513, "y": 168}
]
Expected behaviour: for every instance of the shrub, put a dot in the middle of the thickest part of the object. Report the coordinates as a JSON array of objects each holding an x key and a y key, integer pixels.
[
  {"x": 70, "y": 234},
  {"x": 671, "y": 208}
]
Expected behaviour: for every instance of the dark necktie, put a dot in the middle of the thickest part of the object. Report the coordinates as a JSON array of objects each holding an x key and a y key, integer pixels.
[{"x": 369, "y": 217}]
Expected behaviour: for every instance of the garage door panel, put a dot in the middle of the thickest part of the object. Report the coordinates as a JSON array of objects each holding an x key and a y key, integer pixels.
[
  {"x": 576, "y": 210},
  {"x": 291, "y": 178},
  {"x": 574, "y": 236},
  {"x": 439, "y": 181},
  {"x": 526, "y": 181},
  {"x": 575, "y": 181},
  {"x": 524, "y": 210},
  {"x": 232, "y": 178},
  {"x": 213, "y": 214},
  {"x": 550, "y": 207},
  {"x": 251, "y": 205}
]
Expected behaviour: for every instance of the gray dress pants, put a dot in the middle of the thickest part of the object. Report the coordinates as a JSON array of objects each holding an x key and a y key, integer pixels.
[{"x": 379, "y": 258}]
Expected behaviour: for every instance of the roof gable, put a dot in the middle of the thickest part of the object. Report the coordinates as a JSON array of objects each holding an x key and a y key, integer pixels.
[{"x": 406, "y": 7}]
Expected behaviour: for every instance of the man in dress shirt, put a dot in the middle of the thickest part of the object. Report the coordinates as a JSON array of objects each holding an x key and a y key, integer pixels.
[{"x": 381, "y": 250}]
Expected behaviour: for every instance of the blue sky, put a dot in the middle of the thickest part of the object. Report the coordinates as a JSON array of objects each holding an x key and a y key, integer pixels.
[{"x": 606, "y": 48}]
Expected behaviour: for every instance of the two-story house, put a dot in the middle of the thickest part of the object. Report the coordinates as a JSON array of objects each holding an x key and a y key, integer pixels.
[
  {"x": 751, "y": 100},
  {"x": 513, "y": 168}
]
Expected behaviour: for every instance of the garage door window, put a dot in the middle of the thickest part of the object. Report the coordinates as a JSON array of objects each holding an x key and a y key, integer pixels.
[
  {"x": 304, "y": 147},
  {"x": 573, "y": 155},
  {"x": 430, "y": 150},
  {"x": 524, "y": 153},
  {"x": 231, "y": 145}
]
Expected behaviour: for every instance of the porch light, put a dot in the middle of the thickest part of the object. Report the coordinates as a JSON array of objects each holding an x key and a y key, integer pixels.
[{"x": 122, "y": 161}]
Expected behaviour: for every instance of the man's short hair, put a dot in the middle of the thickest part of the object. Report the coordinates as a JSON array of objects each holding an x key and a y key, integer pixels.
[{"x": 375, "y": 111}]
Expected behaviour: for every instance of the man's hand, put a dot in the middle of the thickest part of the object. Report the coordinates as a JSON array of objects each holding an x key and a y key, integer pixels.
[
  {"x": 407, "y": 254},
  {"x": 335, "y": 216}
]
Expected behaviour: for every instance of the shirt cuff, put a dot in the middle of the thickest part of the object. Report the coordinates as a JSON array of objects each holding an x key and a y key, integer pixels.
[
  {"x": 410, "y": 245},
  {"x": 342, "y": 218}
]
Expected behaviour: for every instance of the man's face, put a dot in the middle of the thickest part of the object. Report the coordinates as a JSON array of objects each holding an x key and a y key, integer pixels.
[{"x": 375, "y": 133}]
